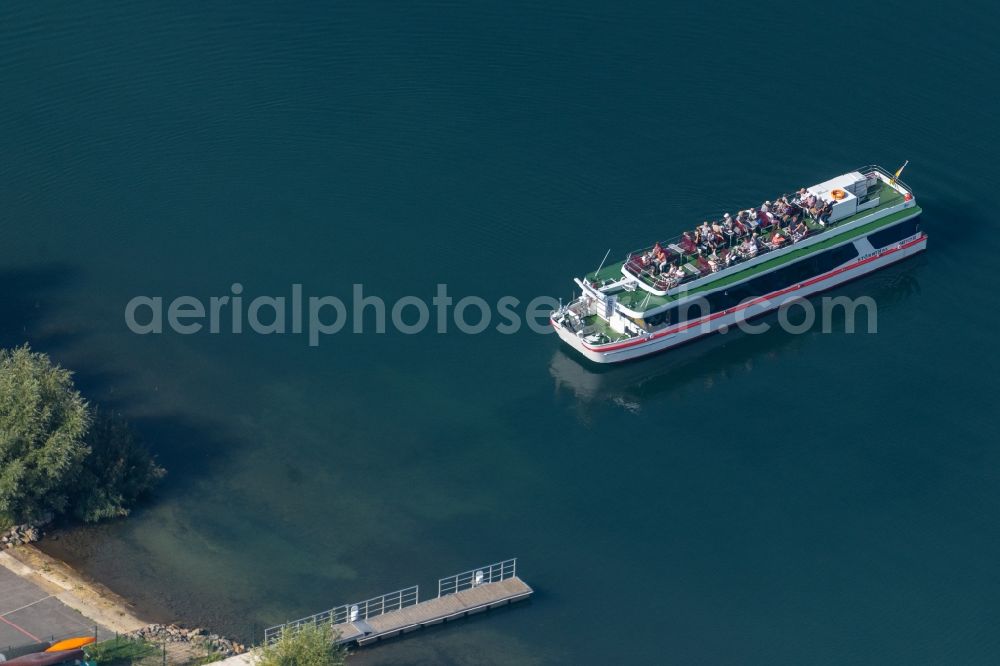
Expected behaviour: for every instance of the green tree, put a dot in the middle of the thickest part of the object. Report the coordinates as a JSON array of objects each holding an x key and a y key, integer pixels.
[
  {"x": 308, "y": 645},
  {"x": 57, "y": 456},
  {"x": 43, "y": 421},
  {"x": 118, "y": 471}
]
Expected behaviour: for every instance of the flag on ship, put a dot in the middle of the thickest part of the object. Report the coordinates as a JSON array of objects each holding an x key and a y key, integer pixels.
[{"x": 895, "y": 176}]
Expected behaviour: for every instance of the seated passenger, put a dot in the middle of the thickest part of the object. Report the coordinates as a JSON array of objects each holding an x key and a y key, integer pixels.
[
  {"x": 787, "y": 214},
  {"x": 823, "y": 213},
  {"x": 704, "y": 239},
  {"x": 780, "y": 208},
  {"x": 663, "y": 261},
  {"x": 816, "y": 210},
  {"x": 794, "y": 213},
  {"x": 688, "y": 244},
  {"x": 670, "y": 280},
  {"x": 799, "y": 231}
]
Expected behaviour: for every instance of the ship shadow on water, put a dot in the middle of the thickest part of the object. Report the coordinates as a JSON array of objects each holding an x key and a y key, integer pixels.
[{"x": 722, "y": 356}]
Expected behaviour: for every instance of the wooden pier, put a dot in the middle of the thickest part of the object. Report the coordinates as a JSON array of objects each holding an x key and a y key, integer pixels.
[
  {"x": 401, "y": 612},
  {"x": 434, "y": 611}
]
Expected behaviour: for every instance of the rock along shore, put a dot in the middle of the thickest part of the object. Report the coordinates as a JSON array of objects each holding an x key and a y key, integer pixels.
[
  {"x": 198, "y": 637},
  {"x": 19, "y": 535}
]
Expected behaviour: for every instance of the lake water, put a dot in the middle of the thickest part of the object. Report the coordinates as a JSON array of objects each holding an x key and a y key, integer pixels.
[{"x": 772, "y": 499}]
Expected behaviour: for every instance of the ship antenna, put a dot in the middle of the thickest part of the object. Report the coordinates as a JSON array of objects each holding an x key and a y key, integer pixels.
[{"x": 602, "y": 263}]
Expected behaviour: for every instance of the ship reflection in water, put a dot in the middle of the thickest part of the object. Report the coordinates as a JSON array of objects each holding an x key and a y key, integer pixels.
[
  {"x": 714, "y": 358},
  {"x": 700, "y": 364}
]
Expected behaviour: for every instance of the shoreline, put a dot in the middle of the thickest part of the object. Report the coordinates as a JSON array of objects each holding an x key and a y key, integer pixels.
[
  {"x": 90, "y": 598},
  {"x": 112, "y": 612},
  {"x": 72, "y": 545}
]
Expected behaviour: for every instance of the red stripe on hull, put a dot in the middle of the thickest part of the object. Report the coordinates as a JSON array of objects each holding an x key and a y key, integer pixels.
[{"x": 760, "y": 299}]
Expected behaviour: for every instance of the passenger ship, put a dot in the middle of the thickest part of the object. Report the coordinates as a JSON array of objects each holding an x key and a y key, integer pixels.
[{"x": 630, "y": 309}]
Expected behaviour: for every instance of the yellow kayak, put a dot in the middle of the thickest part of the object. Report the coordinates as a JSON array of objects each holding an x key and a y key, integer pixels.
[{"x": 72, "y": 643}]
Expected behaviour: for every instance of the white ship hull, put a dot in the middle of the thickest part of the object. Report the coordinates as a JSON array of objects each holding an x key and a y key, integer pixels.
[{"x": 687, "y": 331}]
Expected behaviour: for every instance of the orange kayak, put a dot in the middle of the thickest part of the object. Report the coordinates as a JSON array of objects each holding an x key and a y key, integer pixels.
[
  {"x": 48, "y": 658},
  {"x": 72, "y": 643}
]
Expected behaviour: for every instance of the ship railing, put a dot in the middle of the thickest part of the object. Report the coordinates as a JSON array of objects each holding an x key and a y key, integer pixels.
[
  {"x": 874, "y": 168},
  {"x": 647, "y": 277},
  {"x": 491, "y": 573},
  {"x": 361, "y": 610}
]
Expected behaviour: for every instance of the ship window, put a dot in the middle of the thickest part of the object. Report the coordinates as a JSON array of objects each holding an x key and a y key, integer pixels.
[
  {"x": 694, "y": 309},
  {"x": 838, "y": 256},
  {"x": 894, "y": 234},
  {"x": 656, "y": 319},
  {"x": 775, "y": 280}
]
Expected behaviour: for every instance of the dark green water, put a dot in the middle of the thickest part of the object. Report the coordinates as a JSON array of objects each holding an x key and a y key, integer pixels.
[{"x": 778, "y": 499}]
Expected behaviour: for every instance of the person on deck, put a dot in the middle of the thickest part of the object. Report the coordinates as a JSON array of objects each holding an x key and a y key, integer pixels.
[
  {"x": 706, "y": 230},
  {"x": 705, "y": 237},
  {"x": 727, "y": 227},
  {"x": 823, "y": 214},
  {"x": 713, "y": 262},
  {"x": 796, "y": 213},
  {"x": 799, "y": 231},
  {"x": 688, "y": 243},
  {"x": 664, "y": 261},
  {"x": 816, "y": 208}
]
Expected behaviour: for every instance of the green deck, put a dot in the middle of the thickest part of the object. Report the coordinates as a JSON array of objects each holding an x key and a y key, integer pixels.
[
  {"x": 602, "y": 327},
  {"x": 642, "y": 299}
]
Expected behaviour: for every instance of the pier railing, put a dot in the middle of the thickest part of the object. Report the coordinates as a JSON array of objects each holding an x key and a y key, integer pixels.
[
  {"x": 394, "y": 601},
  {"x": 491, "y": 573},
  {"x": 362, "y": 610}
]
